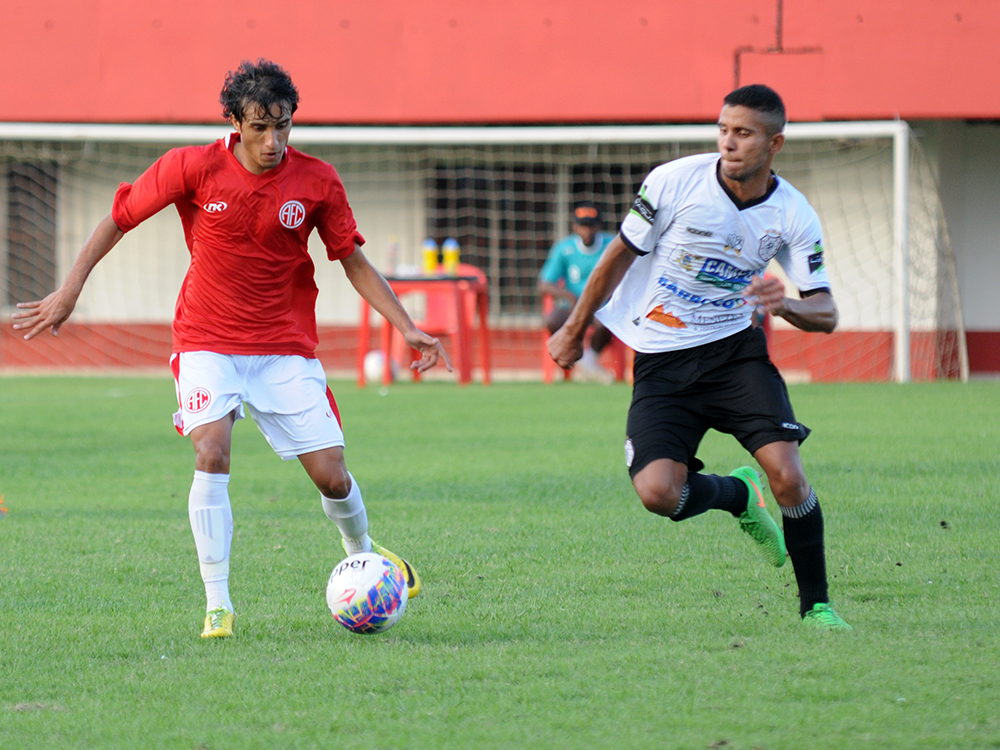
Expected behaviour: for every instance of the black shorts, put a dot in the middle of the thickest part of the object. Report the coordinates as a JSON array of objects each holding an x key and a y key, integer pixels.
[{"x": 728, "y": 385}]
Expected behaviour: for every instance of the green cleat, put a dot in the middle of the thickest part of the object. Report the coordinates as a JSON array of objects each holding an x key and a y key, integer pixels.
[
  {"x": 757, "y": 522},
  {"x": 412, "y": 578},
  {"x": 822, "y": 616},
  {"x": 218, "y": 623}
]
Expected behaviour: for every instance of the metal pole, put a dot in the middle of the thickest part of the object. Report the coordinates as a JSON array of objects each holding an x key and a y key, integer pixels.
[{"x": 901, "y": 252}]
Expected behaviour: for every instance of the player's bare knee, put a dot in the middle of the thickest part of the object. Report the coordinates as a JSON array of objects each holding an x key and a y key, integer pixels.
[
  {"x": 335, "y": 486},
  {"x": 211, "y": 458},
  {"x": 789, "y": 486},
  {"x": 661, "y": 498}
]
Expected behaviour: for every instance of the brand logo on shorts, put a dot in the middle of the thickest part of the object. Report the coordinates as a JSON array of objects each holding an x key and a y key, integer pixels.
[
  {"x": 292, "y": 214},
  {"x": 629, "y": 452},
  {"x": 789, "y": 425},
  {"x": 215, "y": 207},
  {"x": 197, "y": 400}
]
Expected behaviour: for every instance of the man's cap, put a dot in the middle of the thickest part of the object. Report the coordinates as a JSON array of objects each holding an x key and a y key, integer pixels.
[{"x": 586, "y": 213}]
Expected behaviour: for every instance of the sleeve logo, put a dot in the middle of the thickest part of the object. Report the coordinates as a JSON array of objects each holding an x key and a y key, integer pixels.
[
  {"x": 292, "y": 214},
  {"x": 816, "y": 259},
  {"x": 643, "y": 208}
]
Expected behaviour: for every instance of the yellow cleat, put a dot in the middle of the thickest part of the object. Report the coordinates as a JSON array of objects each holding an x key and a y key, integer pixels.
[
  {"x": 218, "y": 623},
  {"x": 412, "y": 577}
]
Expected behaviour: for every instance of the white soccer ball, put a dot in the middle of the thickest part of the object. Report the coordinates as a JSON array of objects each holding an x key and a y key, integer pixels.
[{"x": 367, "y": 593}]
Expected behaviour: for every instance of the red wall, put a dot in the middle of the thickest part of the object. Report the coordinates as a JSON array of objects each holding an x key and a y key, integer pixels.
[{"x": 446, "y": 61}]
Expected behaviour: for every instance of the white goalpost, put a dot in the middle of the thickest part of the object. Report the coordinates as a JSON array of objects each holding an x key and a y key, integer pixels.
[{"x": 504, "y": 192}]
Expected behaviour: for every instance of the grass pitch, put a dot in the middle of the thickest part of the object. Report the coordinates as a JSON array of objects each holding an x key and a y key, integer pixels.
[{"x": 556, "y": 612}]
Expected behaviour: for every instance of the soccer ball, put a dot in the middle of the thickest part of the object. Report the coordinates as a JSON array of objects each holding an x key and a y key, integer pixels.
[{"x": 367, "y": 593}]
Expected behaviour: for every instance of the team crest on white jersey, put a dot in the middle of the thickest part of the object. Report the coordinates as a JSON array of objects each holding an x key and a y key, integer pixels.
[
  {"x": 770, "y": 245},
  {"x": 215, "y": 207},
  {"x": 292, "y": 214}
]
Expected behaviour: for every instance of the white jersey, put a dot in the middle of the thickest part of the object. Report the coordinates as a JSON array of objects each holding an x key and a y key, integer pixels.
[{"x": 698, "y": 250}]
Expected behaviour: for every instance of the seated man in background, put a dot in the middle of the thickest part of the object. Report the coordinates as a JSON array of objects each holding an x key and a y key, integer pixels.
[{"x": 564, "y": 275}]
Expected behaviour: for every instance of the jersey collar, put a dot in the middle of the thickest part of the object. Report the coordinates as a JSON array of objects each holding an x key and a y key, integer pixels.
[{"x": 740, "y": 205}]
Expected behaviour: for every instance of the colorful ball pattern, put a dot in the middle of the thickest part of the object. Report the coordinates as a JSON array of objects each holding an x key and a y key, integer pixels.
[{"x": 367, "y": 593}]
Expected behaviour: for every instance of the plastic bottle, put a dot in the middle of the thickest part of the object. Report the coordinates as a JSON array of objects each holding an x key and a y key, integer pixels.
[
  {"x": 450, "y": 252},
  {"x": 430, "y": 255}
]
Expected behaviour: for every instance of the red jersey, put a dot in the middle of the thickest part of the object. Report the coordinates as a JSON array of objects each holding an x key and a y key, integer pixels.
[{"x": 250, "y": 288}]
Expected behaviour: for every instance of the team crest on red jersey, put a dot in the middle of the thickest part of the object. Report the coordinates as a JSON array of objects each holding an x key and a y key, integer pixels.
[
  {"x": 197, "y": 399},
  {"x": 292, "y": 214}
]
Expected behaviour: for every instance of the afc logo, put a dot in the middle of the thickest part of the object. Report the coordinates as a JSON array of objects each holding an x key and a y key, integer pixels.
[
  {"x": 197, "y": 399},
  {"x": 215, "y": 207},
  {"x": 292, "y": 214}
]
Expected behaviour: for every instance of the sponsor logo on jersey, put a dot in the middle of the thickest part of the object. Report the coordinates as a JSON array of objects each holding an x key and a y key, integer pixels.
[
  {"x": 687, "y": 261},
  {"x": 718, "y": 318},
  {"x": 659, "y": 315},
  {"x": 643, "y": 208},
  {"x": 724, "y": 275},
  {"x": 770, "y": 245},
  {"x": 215, "y": 207},
  {"x": 669, "y": 286},
  {"x": 197, "y": 399},
  {"x": 700, "y": 232},
  {"x": 292, "y": 214},
  {"x": 734, "y": 243},
  {"x": 816, "y": 259}
]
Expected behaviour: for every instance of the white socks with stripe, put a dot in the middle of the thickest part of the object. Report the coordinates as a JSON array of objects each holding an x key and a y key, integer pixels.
[
  {"x": 212, "y": 523},
  {"x": 351, "y": 518}
]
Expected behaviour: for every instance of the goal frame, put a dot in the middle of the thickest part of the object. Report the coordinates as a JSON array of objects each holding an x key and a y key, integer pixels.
[{"x": 898, "y": 131}]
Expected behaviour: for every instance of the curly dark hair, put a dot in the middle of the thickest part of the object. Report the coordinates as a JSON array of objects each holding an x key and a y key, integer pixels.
[
  {"x": 763, "y": 99},
  {"x": 262, "y": 83}
]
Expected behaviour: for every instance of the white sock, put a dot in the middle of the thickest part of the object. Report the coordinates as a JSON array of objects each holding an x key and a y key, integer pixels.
[
  {"x": 212, "y": 524},
  {"x": 351, "y": 518}
]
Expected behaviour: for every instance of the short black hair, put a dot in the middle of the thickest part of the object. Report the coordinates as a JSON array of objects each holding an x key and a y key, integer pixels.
[
  {"x": 263, "y": 83},
  {"x": 763, "y": 99}
]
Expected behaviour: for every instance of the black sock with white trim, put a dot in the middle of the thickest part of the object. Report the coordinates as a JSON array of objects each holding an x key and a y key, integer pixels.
[
  {"x": 803, "y": 527},
  {"x": 711, "y": 492}
]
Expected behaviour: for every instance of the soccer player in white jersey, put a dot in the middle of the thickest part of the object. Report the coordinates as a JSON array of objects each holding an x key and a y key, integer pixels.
[
  {"x": 244, "y": 329},
  {"x": 686, "y": 282}
]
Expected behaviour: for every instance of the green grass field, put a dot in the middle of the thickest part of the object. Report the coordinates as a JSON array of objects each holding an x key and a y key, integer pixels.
[{"x": 556, "y": 612}]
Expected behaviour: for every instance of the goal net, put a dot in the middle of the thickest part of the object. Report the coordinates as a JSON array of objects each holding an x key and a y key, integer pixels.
[{"x": 505, "y": 195}]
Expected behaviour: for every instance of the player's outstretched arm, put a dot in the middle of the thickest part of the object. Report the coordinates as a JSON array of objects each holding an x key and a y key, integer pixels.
[
  {"x": 371, "y": 285},
  {"x": 815, "y": 313},
  {"x": 52, "y": 312},
  {"x": 566, "y": 345}
]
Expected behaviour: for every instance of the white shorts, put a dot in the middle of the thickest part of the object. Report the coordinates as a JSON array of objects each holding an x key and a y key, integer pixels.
[{"x": 287, "y": 396}]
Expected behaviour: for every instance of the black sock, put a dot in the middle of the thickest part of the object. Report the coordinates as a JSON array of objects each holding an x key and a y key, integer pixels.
[
  {"x": 711, "y": 492},
  {"x": 803, "y": 526}
]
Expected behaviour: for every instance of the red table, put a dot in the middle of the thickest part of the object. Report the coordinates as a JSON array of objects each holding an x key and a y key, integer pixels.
[{"x": 461, "y": 292}]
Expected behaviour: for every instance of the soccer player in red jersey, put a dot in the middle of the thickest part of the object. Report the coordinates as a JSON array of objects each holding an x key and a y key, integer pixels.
[{"x": 244, "y": 330}]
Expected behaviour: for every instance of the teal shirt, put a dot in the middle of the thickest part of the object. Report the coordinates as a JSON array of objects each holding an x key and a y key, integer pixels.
[{"x": 570, "y": 261}]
